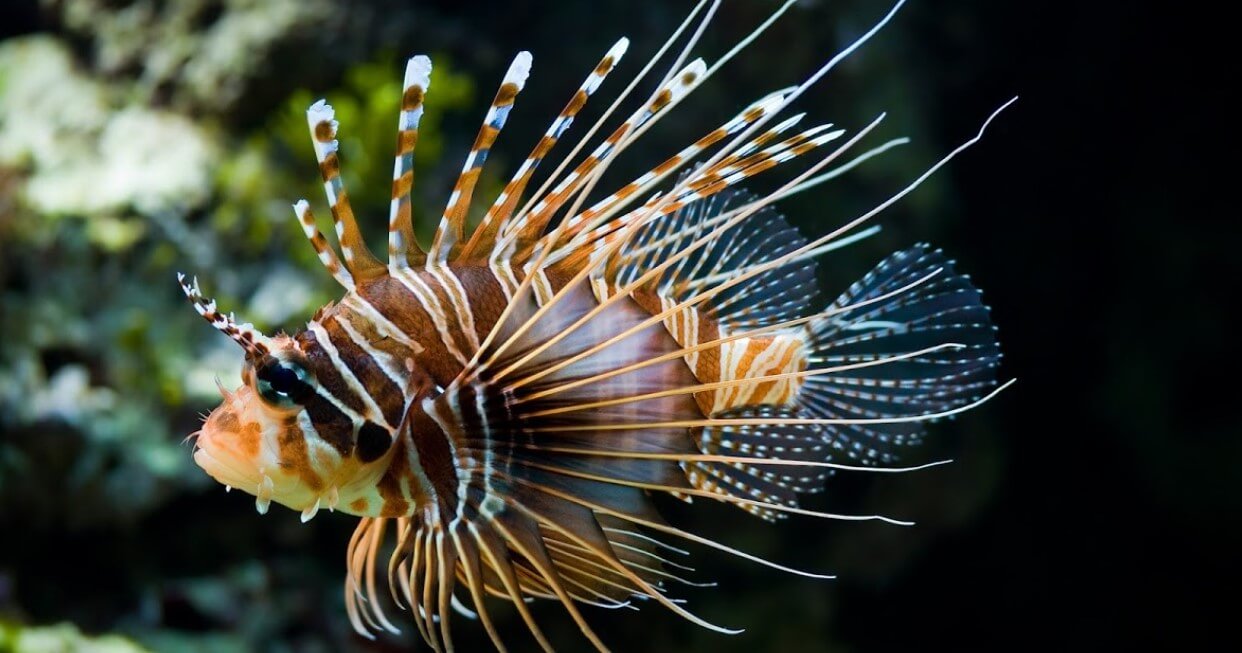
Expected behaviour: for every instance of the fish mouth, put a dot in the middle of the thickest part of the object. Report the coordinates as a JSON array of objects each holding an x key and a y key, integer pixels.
[
  {"x": 233, "y": 472},
  {"x": 230, "y": 446},
  {"x": 225, "y": 467},
  {"x": 237, "y": 448}
]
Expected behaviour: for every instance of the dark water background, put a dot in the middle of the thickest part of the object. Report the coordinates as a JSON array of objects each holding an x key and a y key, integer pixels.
[{"x": 1094, "y": 505}]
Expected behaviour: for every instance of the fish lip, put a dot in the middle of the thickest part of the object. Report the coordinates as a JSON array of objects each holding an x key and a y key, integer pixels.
[
  {"x": 219, "y": 468},
  {"x": 214, "y": 451},
  {"x": 224, "y": 469}
]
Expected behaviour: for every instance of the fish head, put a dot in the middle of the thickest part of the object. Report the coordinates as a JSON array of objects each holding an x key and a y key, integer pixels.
[{"x": 282, "y": 437}]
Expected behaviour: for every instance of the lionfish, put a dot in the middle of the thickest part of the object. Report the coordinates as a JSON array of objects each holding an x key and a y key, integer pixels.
[{"x": 507, "y": 402}]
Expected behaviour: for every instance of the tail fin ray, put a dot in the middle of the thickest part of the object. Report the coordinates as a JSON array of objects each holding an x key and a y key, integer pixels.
[{"x": 946, "y": 309}]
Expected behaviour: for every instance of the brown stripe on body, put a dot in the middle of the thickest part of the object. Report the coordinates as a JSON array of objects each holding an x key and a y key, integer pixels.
[
  {"x": 295, "y": 456},
  {"x": 397, "y": 351},
  {"x": 435, "y": 456},
  {"x": 329, "y": 378},
  {"x": 443, "y": 301},
  {"x": 383, "y": 390},
  {"x": 748, "y": 365},
  {"x": 396, "y": 504},
  {"x": 397, "y": 303},
  {"x": 706, "y": 362},
  {"x": 332, "y": 425},
  {"x": 485, "y": 297}
]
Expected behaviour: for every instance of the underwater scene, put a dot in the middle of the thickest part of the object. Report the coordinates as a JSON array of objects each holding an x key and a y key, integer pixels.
[{"x": 636, "y": 326}]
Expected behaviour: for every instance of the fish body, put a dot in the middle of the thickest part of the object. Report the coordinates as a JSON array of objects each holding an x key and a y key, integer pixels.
[{"x": 505, "y": 402}]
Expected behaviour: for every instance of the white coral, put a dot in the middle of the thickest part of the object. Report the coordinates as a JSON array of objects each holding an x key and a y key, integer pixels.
[{"x": 82, "y": 156}]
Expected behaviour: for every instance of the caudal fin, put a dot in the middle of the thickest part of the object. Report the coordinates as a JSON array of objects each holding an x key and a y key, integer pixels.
[{"x": 880, "y": 394}]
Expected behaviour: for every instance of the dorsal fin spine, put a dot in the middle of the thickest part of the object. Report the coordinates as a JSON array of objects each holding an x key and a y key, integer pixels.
[
  {"x": 403, "y": 249},
  {"x": 484, "y": 238},
  {"x": 453, "y": 222},
  {"x": 361, "y": 263}
]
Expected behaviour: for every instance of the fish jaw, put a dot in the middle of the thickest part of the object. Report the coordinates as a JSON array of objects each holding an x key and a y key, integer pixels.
[{"x": 239, "y": 446}]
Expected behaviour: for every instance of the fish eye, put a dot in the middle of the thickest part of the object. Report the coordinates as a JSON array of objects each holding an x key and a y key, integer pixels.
[{"x": 282, "y": 383}]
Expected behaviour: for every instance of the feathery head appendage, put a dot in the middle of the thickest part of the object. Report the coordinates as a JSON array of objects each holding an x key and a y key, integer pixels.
[
  {"x": 403, "y": 249},
  {"x": 302, "y": 210},
  {"x": 245, "y": 334},
  {"x": 237, "y": 444},
  {"x": 361, "y": 263}
]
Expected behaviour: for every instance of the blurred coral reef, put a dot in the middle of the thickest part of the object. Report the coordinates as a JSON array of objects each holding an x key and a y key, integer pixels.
[{"x": 61, "y": 638}]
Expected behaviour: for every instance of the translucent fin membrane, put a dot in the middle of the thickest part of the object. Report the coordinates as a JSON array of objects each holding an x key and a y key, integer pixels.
[{"x": 945, "y": 309}]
